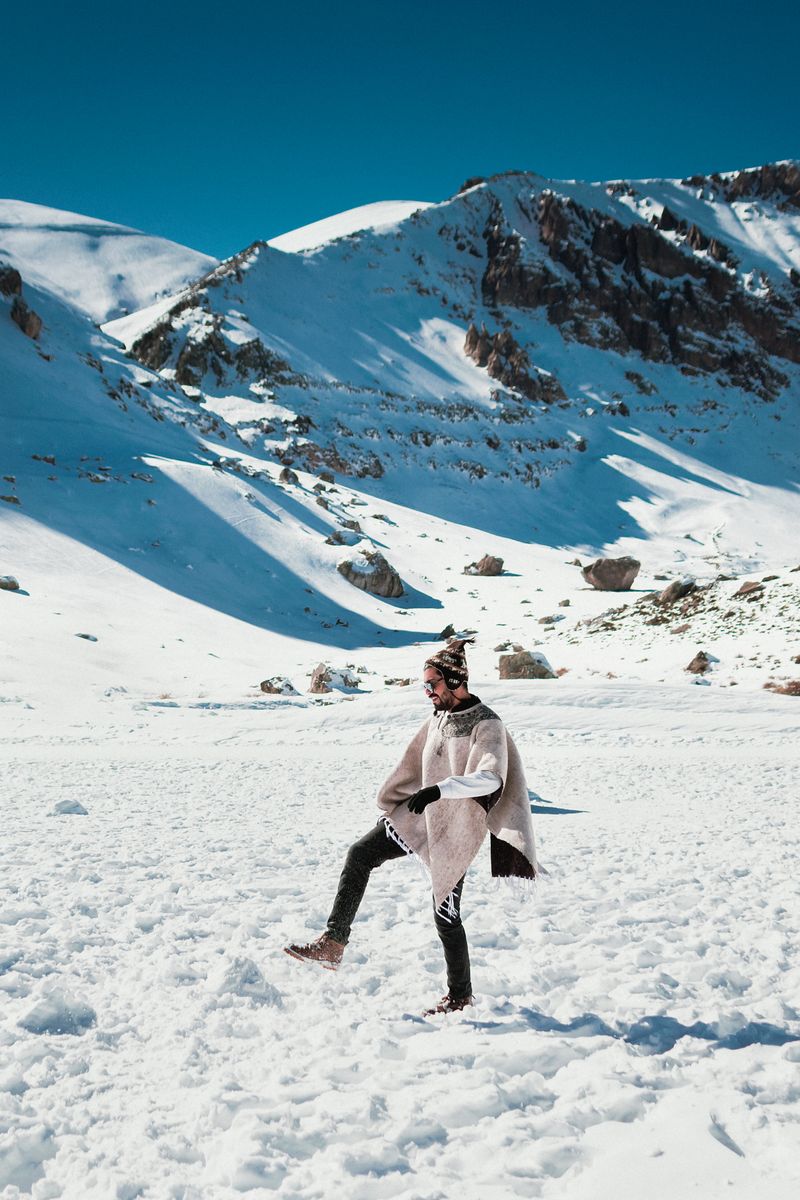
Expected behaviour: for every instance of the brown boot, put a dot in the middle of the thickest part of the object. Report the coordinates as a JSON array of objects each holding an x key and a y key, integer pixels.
[
  {"x": 448, "y": 1004},
  {"x": 323, "y": 950}
]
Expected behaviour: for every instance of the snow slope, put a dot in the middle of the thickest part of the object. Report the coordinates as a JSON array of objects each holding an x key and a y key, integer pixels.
[
  {"x": 99, "y": 268},
  {"x": 381, "y": 215}
]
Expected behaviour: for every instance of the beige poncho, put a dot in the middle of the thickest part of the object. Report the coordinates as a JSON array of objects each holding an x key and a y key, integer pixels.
[{"x": 449, "y": 833}]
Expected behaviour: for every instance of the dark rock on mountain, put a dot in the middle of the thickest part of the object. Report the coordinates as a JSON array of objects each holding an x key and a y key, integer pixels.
[
  {"x": 154, "y": 347},
  {"x": 675, "y": 591},
  {"x": 749, "y": 591},
  {"x": 197, "y": 357},
  {"x": 10, "y": 281},
  {"x": 506, "y": 361},
  {"x": 775, "y": 181},
  {"x": 667, "y": 304},
  {"x": 29, "y": 322},
  {"x": 472, "y": 182},
  {"x": 612, "y": 574},
  {"x": 699, "y": 664}
]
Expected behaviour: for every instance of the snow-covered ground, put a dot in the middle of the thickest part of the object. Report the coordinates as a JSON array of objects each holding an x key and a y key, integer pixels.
[{"x": 636, "y": 1028}]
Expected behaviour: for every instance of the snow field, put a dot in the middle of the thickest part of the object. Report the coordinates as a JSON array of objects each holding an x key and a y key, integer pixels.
[{"x": 635, "y": 1029}]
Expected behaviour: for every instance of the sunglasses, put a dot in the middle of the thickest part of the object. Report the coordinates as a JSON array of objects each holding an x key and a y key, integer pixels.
[{"x": 429, "y": 686}]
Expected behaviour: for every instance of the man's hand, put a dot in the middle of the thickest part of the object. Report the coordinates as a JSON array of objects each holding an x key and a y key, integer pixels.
[{"x": 421, "y": 799}]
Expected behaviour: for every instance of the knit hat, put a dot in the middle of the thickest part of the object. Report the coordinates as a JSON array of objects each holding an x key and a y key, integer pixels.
[{"x": 452, "y": 661}]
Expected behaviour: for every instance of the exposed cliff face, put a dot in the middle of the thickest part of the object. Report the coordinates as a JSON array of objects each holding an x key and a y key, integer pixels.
[{"x": 633, "y": 288}]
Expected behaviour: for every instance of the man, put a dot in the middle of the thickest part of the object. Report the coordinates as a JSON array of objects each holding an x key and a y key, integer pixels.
[{"x": 460, "y": 776}]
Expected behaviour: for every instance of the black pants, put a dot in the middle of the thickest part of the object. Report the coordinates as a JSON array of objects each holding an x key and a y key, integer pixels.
[{"x": 374, "y": 849}]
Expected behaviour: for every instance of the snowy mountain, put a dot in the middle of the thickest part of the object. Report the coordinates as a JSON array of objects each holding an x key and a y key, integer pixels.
[
  {"x": 100, "y": 269},
  {"x": 194, "y": 491},
  {"x": 536, "y": 369}
]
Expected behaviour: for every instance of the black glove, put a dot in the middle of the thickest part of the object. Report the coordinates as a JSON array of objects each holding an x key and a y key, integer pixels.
[{"x": 421, "y": 799}]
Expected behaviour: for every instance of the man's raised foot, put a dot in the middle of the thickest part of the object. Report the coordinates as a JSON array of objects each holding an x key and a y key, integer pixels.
[
  {"x": 323, "y": 951},
  {"x": 449, "y": 1004}
]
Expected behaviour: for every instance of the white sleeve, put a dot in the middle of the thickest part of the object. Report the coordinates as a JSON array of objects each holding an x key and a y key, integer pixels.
[{"x": 480, "y": 783}]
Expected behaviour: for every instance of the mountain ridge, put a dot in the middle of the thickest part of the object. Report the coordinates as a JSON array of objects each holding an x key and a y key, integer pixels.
[{"x": 480, "y": 376}]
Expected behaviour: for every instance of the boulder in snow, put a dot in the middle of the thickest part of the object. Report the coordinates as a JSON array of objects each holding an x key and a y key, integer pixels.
[
  {"x": 612, "y": 574},
  {"x": 488, "y": 565},
  {"x": 370, "y": 572},
  {"x": 8, "y": 583},
  {"x": 320, "y": 680},
  {"x": 278, "y": 685},
  {"x": 699, "y": 664},
  {"x": 525, "y": 665}
]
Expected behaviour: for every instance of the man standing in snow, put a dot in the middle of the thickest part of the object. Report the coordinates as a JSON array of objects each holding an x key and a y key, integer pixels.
[{"x": 460, "y": 776}]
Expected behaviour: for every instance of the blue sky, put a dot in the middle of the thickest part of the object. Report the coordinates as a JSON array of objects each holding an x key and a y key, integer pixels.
[{"x": 215, "y": 125}]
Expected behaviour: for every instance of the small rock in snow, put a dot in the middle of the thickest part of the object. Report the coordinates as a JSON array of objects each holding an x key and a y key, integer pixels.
[
  {"x": 89, "y": 637},
  {"x": 8, "y": 583},
  {"x": 700, "y": 663}
]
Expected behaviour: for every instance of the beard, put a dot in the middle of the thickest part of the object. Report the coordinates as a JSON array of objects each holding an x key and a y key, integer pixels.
[{"x": 444, "y": 702}]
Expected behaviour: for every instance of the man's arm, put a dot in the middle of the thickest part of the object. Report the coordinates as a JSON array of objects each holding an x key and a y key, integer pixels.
[{"x": 483, "y": 786}]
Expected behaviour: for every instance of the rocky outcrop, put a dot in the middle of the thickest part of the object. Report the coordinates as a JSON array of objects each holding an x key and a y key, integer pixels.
[
  {"x": 362, "y": 465},
  {"x": 488, "y": 565},
  {"x": 10, "y": 281},
  {"x": 201, "y": 354},
  {"x": 774, "y": 181},
  {"x": 371, "y": 572},
  {"x": 154, "y": 347},
  {"x": 631, "y": 288},
  {"x": 525, "y": 665},
  {"x": 675, "y": 591},
  {"x": 612, "y": 574},
  {"x": 28, "y": 321},
  {"x": 507, "y": 362},
  {"x": 753, "y": 590}
]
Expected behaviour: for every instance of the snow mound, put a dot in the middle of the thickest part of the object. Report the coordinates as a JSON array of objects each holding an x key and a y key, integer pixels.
[
  {"x": 59, "y": 1012},
  {"x": 243, "y": 977}
]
